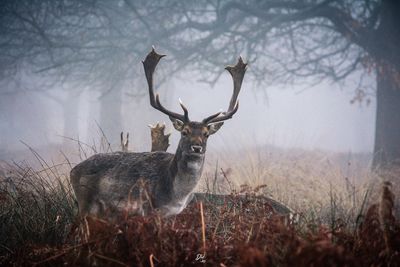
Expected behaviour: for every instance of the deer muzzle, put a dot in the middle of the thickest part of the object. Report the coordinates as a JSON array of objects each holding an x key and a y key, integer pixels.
[{"x": 196, "y": 148}]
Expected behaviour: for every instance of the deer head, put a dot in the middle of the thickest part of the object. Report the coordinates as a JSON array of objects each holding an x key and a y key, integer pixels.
[
  {"x": 159, "y": 140},
  {"x": 194, "y": 134}
]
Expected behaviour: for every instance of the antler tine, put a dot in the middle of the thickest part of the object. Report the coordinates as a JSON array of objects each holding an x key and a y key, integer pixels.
[
  {"x": 226, "y": 115},
  {"x": 160, "y": 107},
  {"x": 185, "y": 111},
  {"x": 150, "y": 64},
  {"x": 237, "y": 73},
  {"x": 206, "y": 120}
]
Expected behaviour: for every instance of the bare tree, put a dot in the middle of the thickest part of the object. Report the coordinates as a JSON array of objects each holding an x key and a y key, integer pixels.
[
  {"x": 310, "y": 41},
  {"x": 84, "y": 44},
  {"x": 99, "y": 43}
]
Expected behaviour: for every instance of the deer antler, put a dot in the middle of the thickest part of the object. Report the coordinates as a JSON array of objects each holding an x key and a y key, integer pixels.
[
  {"x": 237, "y": 73},
  {"x": 149, "y": 65}
]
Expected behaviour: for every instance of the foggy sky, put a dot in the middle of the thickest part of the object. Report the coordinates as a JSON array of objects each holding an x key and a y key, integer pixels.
[{"x": 318, "y": 117}]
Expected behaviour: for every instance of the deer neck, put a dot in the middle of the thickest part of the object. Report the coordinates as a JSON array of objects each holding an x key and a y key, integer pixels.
[{"x": 186, "y": 170}]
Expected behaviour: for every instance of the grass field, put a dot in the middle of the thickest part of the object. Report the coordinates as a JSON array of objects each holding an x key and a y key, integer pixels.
[{"x": 343, "y": 215}]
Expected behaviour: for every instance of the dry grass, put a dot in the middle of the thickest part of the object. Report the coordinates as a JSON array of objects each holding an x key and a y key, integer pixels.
[
  {"x": 338, "y": 224},
  {"x": 37, "y": 207},
  {"x": 243, "y": 234},
  {"x": 318, "y": 185}
]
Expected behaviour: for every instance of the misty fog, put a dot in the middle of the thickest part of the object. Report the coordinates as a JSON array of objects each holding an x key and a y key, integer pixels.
[
  {"x": 318, "y": 117},
  {"x": 85, "y": 80}
]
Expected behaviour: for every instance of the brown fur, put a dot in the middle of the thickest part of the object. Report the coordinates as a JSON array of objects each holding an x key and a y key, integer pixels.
[
  {"x": 159, "y": 140},
  {"x": 106, "y": 184}
]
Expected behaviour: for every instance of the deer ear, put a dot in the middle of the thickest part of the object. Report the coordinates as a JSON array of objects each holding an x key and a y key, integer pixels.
[
  {"x": 214, "y": 127},
  {"x": 178, "y": 125}
]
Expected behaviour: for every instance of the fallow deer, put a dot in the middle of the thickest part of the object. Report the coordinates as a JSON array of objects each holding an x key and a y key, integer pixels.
[
  {"x": 159, "y": 140},
  {"x": 124, "y": 143},
  {"x": 105, "y": 184}
]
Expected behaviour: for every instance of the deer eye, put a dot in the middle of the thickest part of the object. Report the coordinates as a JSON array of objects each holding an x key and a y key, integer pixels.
[
  {"x": 184, "y": 133},
  {"x": 206, "y": 134}
]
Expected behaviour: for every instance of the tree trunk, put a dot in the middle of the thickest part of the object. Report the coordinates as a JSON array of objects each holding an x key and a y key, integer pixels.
[
  {"x": 110, "y": 116},
  {"x": 387, "y": 55},
  {"x": 71, "y": 111},
  {"x": 387, "y": 131},
  {"x": 8, "y": 122}
]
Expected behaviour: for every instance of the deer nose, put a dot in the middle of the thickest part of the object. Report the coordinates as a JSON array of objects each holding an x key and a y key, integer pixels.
[{"x": 196, "y": 148}]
